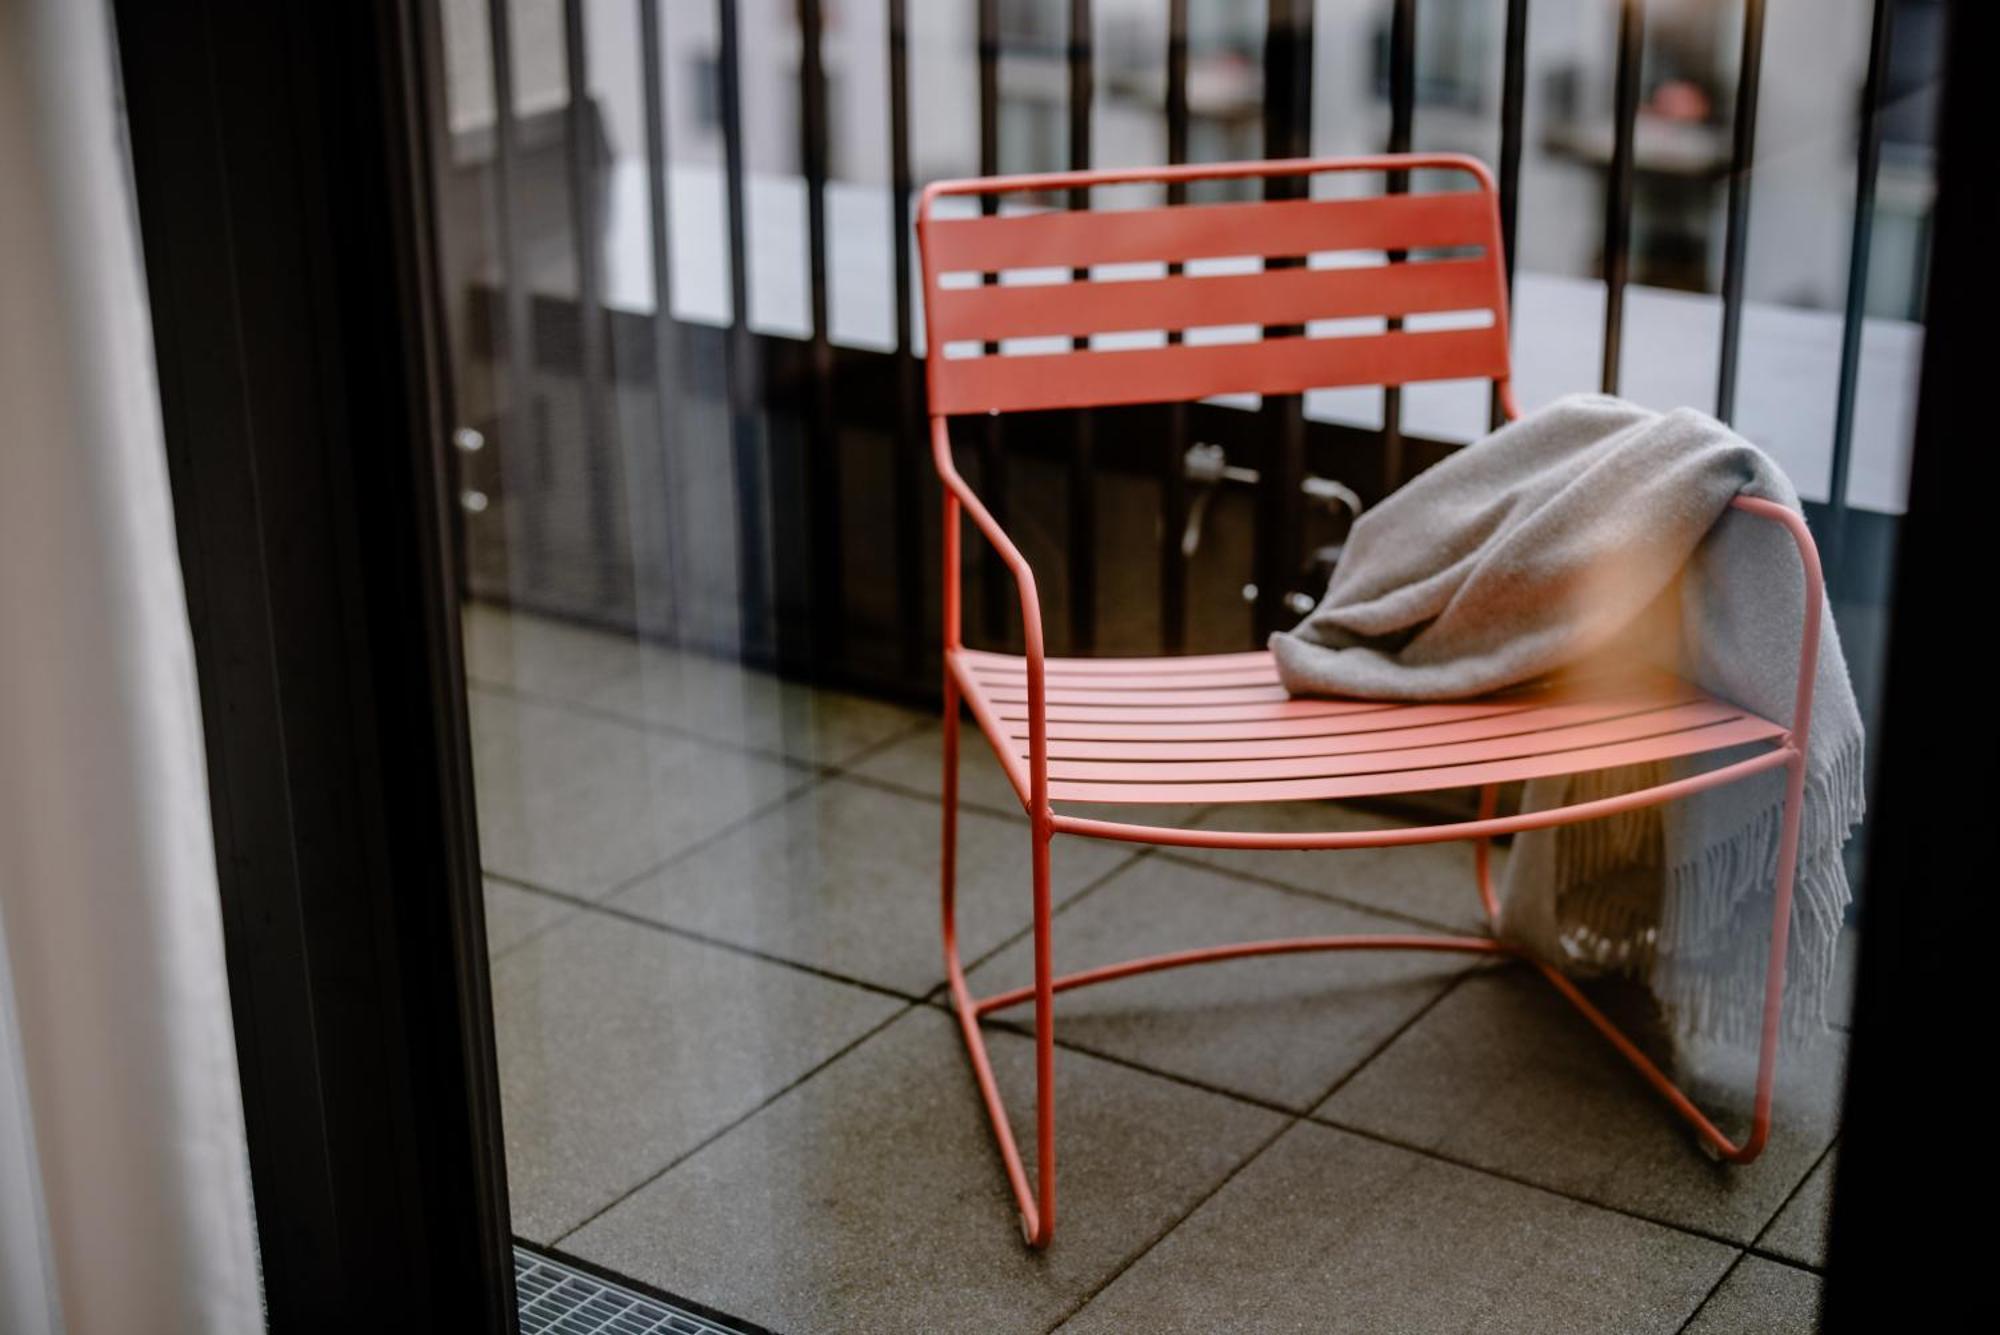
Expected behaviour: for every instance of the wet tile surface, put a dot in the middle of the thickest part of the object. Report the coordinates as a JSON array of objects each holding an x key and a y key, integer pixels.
[
  {"x": 1329, "y": 1232},
  {"x": 1281, "y": 1029},
  {"x": 1504, "y": 1075},
  {"x": 622, "y": 1047},
  {"x": 871, "y": 1198}
]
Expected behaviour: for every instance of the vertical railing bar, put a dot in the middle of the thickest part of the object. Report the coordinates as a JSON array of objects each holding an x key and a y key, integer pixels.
[
  {"x": 1402, "y": 118},
  {"x": 992, "y": 448},
  {"x": 1173, "y": 468},
  {"x": 665, "y": 344},
  {"x": 517, "y": 313},
  {"x": 1513, "y": 108},
  {"x": 583, "y": 180},
  {"x": 1288, "y": 40},
  {"x": 823, "y": 508},
  {"x": 738, "y": 353},
  {"x": 909, "y": 458},
  {"x": 1736, "y": 233},
  {"x": 1867, "y": 166},
  {"x": 1618, "y": 193},
  {"x": 1082, "y": 543}
]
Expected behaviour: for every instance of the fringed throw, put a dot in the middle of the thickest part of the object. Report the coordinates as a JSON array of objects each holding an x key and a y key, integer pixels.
[{"x": 1596, "y": 530}]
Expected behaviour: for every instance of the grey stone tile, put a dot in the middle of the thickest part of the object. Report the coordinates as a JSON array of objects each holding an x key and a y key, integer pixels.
[
  {"x": 540, "y": 655},
  {"x": 581, "y": 804},
  {"x": 1762, "y": 1297},
  {"x": 1282, "y": 1029},
  {"x": 740, "y": 706},
  {"x": 1504, "y": 1074},
  {"x": 622, "y": 1047},
  {"x": 845, "y": 877},
  {"x": 513, "y": 915},
  {"x": 1799, "y": 1233},
  {"x": 871, "y": 1196},
  {"x": 1432, "y": 882},
  {"x": 1329, "y": 1232}
]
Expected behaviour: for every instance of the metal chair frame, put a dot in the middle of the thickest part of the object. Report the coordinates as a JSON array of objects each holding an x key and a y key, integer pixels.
[{"x": 1211, "y": 728}]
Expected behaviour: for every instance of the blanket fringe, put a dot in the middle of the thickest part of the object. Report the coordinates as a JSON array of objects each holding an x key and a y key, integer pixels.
[{"x": 1702, "y": 940}]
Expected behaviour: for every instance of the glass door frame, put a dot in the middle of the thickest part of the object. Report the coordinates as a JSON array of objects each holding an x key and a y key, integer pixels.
[{"x": 282, "y": 174}]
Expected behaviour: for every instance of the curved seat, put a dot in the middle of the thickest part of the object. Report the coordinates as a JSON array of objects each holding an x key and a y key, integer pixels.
[{"x": 1220, "y": 728}]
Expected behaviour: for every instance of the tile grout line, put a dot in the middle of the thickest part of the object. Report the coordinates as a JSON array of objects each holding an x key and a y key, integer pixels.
[
  {"x": 1713, "y": 1289},
  {"x": 1791, "y": 1196},
  {"x": 938, "y": 998},
  {"x": 1322, "y": 896},
  {"x": 1292, "y": 1121},
  {"x": 645, "y": 726},
  {"x": 1179, "y": 859},
  {"x": 702, "y": 938},
  {"x": 1022, "y": 1029},
  {"x": 734, "y": 1123},
  {"x": 1174, "y": 1227},
  {"x": 1440, "y": 1156},
  {"x": 607, "y": 909},
  {"x": 617, "y": 888}
]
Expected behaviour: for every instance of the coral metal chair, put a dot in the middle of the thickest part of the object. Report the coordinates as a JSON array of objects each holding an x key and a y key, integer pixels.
[{"x": 1219, "y": 728}]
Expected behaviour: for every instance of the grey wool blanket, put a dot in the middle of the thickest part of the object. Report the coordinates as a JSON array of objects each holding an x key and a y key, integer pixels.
[{"x": 1593, "y": 532}]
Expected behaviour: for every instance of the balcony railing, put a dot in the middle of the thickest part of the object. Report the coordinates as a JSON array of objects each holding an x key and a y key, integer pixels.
[{"x": 794, "y": 596}]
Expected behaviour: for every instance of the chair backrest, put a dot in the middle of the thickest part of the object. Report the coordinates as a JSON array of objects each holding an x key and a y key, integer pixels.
[{"x": 1339, "y": 269}]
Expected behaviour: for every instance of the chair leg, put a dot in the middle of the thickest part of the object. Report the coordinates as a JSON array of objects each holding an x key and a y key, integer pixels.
[
  {"x": 948, "y": 791},
  {"x": 1037, "y": 1217},
  {"x": 1045, "y": 1040}
]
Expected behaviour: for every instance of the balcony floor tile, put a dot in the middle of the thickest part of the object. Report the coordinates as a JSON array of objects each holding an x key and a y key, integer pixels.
[
  {"x": 1279, "y": 1029},
  {"x": 513, "y": 915},
  {"x": 541, "y": 656},
  {"x": 1431, "y": 882},
  {"x": 1331, "y": 1232},
  {"x": 1504, "y": 1075},
  {"x": 1761, "y": 1296},
  {"x": 871, "y": 1198},
  {"x": 622, "y": 1047},
  {"x": 844, "y": 877},
  {"x": 1799, "y": 1232},
  {"x": 725, "y": 702},
  {"x": 580, "y": 804}
]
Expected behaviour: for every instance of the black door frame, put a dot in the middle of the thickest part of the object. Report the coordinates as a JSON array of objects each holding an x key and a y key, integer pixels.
[
  {"x": 282, "y": 163},
  {"x": 283, "y": 184}
]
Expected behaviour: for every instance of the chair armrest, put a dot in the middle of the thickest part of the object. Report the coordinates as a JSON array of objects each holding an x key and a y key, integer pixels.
[
  {"x": 959, "y": 493},
  {"x": 1815, "y": 598}
]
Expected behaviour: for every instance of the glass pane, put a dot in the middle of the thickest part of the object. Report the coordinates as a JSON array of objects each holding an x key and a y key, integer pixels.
[{"x": 706, "y": 632}]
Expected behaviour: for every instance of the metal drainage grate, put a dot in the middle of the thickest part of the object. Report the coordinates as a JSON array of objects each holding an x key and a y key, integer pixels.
[{"x": 559, "y": 1300}]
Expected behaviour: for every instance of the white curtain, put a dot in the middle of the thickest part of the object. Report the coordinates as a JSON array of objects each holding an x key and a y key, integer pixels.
[{"x": 124, "y": 1186}]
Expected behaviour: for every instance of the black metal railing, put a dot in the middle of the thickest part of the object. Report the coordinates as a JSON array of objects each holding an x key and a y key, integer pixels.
[{"x": 796, "y": 592}]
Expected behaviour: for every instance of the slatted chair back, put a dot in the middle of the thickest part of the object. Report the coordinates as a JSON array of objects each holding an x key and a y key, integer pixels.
[{"x": 1071, "y": 308}]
